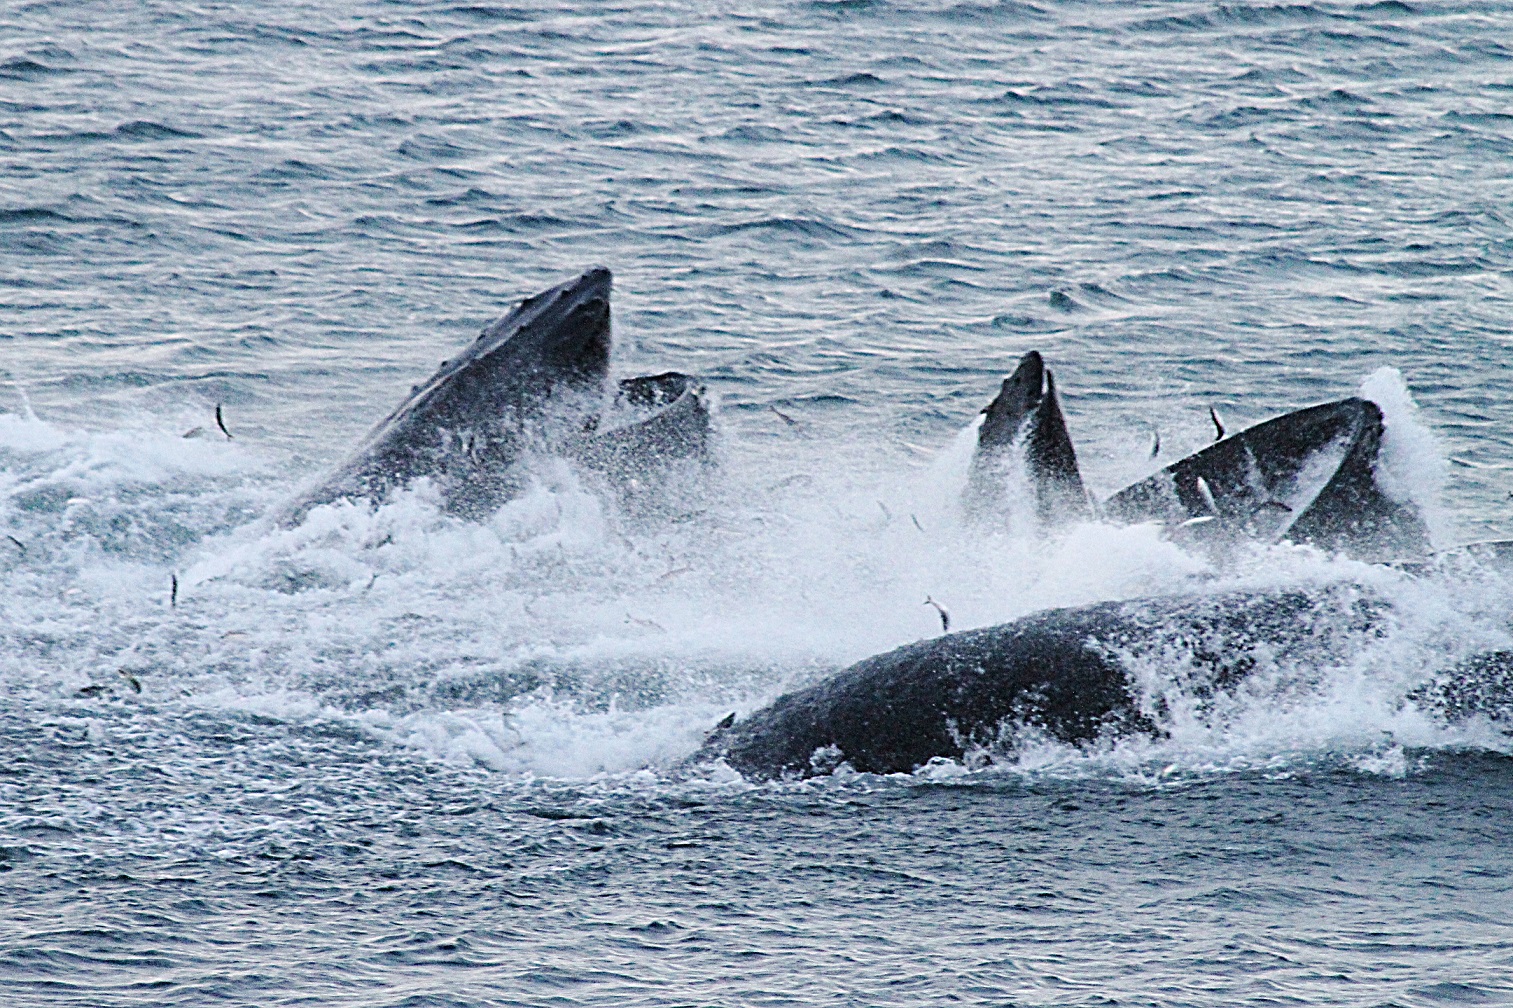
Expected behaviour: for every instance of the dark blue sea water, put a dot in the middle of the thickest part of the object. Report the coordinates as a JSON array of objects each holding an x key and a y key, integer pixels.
[{"x": 393, "y": 758}]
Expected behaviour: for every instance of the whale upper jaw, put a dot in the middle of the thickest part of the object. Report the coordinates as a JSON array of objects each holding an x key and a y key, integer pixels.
[
  {"x": 555, "y": 341},
  {"x": 566, "y": 329},
  {"x": 1021, "y": 393}
]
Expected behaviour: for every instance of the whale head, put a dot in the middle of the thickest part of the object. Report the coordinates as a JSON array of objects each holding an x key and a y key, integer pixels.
[{"x": 1021, "y": 394}]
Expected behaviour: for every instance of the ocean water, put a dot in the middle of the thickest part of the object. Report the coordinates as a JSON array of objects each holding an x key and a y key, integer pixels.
[{"x": 393, "y": 759}]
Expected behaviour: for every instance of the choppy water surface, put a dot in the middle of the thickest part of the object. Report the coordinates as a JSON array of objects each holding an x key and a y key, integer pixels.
[{"x": 393, "y": 759}]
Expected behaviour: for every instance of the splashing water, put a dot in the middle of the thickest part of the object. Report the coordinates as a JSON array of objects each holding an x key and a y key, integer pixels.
[
  {"x": 559, "y": 639},
  {"x": 1411, "y": 467}
]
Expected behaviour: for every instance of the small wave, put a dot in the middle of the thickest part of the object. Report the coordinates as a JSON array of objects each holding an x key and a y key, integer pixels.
[
  {"x": 852, "y": 80},
  {"x": 1099, "y": 293},
  {"x": 471, "y": 196},
  {"x": 21, "y": 68},
  {"x": 751, "y": 134},
  {"x": 1264, "y": 14},
  {"x": 1494, "y": 118},
  {"x": 615, "y": 129},
  {"x": 1246, "y": 116},
  {"x": 516, "y": 223},
  {"x": 919, "y": 155},
  {"x": 931, "y": 268},
  {"x": 143, "y": 129},
  {"x": 890, "y": 117},
  {"x": 409, "y": 63},
  {"x": 844, "y": 6},
  {"x": 1190, "y": 22},
  {"x": 1338, "y": 97},
  {"x": 285, "y": 35},
  {"x": 1073, "y": 95},
  {"x": 28, "y": 215},
  {"x": 1488, "y": 47},
  {"x": 1063, "y": 302},
  {"x": 293, "y": 168},
  {"x": 995, "y": 10},
  {"x": 1273, "y": 75},
  {"x": 1023, "y": 323},
  {"x": 429, "y": 149},
  {"x": 483, "y": 12},
  {"x": 72, "y": 137},
  {"x": 805, "y": 227},
  {"x": 1432, "y": 268},
  {"x": 1481, "y": 216}
]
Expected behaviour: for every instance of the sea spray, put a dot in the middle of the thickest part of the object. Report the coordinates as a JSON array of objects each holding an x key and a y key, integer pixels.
[{"x": 1411, "y": 467}]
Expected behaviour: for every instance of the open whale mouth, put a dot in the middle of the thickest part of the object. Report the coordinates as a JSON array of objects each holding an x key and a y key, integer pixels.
[
  {"x": 1307, "y": 476},
  {"x": 654, "y": 443},
  {"x": 1024, "y": 452},
  {"x": 649, "y": 398}
]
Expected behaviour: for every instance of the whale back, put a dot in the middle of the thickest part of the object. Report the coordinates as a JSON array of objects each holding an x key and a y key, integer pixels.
[{"x": 1065, "y": 673}]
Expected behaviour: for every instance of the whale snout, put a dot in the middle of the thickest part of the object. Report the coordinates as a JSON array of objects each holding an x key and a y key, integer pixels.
[{"x": 594, "y": 284}]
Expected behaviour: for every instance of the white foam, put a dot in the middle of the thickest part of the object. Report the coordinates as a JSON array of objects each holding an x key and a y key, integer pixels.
[
  {"x": 26, "y": 433},
  {"x": 1411, "y": 467}
]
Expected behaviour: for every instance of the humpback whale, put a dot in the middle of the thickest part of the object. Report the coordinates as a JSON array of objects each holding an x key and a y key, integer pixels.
[
  {"x": 1073, "y": 675},
  {"x": 1067, "y": 673},
  {"x": 1024, "y": 426},
  {"x": 1306, "y": 476},
  {"x": 521, "y": 384},
  {"x": 534, "y": 382}
]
